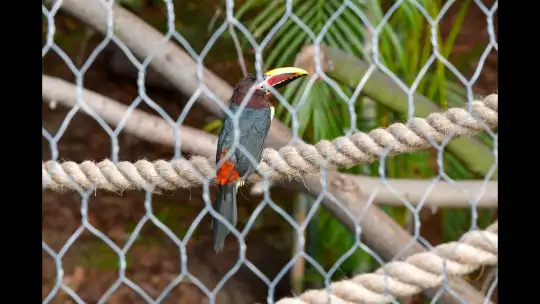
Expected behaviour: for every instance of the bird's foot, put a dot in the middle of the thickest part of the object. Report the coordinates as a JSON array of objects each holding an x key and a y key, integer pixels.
[{"x": 240, "y": 184}]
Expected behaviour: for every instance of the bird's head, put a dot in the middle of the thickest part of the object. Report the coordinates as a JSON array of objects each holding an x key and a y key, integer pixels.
[{"x": 275, "y": 78}]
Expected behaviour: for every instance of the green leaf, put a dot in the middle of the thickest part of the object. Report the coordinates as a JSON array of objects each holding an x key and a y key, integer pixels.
[
  {"x": 341, "y": 41},
  {"x": 454, "y": 169},
  {"x": 213, "y": 126},
  {"x": 330, "y": 107},
  {"x": 264, "y": 15},
  {"x": 342, "y": 32},
  {"x": 295, "y": 100},
  {"x": 288, "y": 95},
  {"x": 305, "y": 110},
  {"x": 289, "y": 38},
  {"x": 455, "y": 223},
  {"x": 260, "y": 26},
  {"x": 294, "y": 47},
  {"x": 250, "y": 4},
  {"x": 454, "y": 31},
  {"x": 331, "y": 41}
]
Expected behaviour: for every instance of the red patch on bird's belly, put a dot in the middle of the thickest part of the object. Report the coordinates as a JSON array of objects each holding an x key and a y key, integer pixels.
[{"x": 226, "y": 173}]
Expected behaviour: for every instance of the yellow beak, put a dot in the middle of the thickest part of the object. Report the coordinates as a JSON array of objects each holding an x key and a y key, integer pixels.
[
  {"x": 281, "y": 76},
  {"x": 286, "y": 71}
]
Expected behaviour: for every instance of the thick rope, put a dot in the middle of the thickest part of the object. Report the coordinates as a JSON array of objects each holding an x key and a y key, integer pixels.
[
  {"x": 418, "y": 272},
  {"x": 289, "y": 162}
]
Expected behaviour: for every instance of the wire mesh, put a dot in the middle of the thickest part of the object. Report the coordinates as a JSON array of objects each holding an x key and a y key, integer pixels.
[{"x": 231, "y": 25}]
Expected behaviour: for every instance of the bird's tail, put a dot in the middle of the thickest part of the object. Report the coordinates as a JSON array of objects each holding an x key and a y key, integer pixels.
[{"x": 226, "y": 206}]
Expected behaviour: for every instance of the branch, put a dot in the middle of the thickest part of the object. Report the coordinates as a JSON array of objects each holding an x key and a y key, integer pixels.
[
  {"x": 168, "y": 59},
  {"x": 143, "y": 125},
  {"x": 350, "y": 71},
  {"x": 121, "y": 66},
  {"x": 459, "y": 194}
]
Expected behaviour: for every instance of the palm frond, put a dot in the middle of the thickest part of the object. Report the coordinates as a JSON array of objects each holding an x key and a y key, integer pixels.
[{"x": 404, "y": 47}]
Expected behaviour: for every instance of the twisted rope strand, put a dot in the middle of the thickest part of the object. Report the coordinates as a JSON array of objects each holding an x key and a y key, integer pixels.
[
  {"x": 418, "y": 272},
  {"x": 289, "y": 162}
]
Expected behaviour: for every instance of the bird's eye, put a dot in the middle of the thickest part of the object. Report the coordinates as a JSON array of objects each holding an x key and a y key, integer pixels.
[{"x": 261, "y": 87}]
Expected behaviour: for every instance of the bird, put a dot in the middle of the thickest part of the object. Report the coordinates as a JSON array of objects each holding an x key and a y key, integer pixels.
[{"x": 254, "y": 122}]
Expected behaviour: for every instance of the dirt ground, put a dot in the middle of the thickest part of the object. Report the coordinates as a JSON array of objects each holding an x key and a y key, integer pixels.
[{"x": 154, "y": 260}]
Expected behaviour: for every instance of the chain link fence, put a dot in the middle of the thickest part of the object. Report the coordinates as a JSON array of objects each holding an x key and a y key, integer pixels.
[{"x": 187, "y": 73}]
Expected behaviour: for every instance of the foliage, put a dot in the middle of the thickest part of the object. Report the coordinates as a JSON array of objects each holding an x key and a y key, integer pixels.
[{"x": 404, "y": 47}]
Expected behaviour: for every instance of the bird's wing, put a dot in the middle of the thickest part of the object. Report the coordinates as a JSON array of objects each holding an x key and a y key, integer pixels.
[
  {"x": 254, "y": 126},
  {"x": 254, "y": 133}
]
